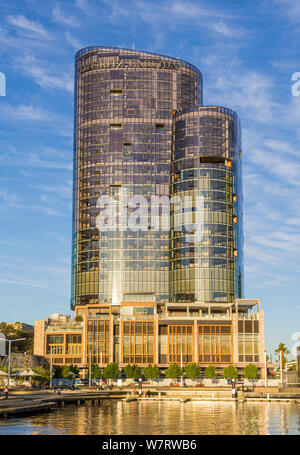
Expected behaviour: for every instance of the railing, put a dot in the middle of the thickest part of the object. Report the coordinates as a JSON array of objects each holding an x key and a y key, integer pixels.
[
  {"x": 189, "y": 316},
  {"x": 64, "y": 327},
  {"x": 254, "y": 316},
  {"x": 133, "y": 317},
  {"x": 98, "y": 316}
]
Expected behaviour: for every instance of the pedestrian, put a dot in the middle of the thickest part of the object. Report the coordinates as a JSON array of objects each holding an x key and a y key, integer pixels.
[
  {"x": 58, "y": 391},
  {"x": 6, "y": 392},
  {"x": 148, "y": 393}
]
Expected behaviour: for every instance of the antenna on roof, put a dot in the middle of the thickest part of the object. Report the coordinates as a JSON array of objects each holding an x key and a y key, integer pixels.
[{"x": 132, "y": 45}]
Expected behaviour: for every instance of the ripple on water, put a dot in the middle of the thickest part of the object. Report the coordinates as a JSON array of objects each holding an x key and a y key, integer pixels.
[{"x": 117, "y": 417}]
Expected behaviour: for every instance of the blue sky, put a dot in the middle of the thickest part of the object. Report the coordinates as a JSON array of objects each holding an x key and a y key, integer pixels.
[{"x": 247, "y": 52}]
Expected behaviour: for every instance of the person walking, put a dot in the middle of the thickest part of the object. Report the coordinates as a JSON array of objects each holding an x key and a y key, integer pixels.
[
  {"x": 58, "y": 391},
  {"x": 6, "y": 392}
]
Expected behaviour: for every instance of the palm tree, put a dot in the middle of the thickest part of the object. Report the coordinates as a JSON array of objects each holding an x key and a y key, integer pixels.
[{"x": 282, "y": 348}]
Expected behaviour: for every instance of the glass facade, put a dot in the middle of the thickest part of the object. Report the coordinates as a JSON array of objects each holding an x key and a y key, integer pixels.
[
  {"x": 206, "y": 167},
  {"x": 98, "y": 340},
  {"x": 138, "y": 342},
  {"x": 214, "y": 343},
  {"x": 124, "y": 106},
  {"x": 180, "y": 343}
]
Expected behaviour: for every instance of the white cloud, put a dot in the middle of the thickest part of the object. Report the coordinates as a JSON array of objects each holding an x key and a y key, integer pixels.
[
  {"x": 45, "y": 75},
  {"x": 64, "y": 18},
  {"x": 223, "y": 29},
  {"x": 73, "y": 41},
  {"x": 24, "y": 112},
  {"x": 291, "y": 8},
  {"x": 28, "y": 25}
]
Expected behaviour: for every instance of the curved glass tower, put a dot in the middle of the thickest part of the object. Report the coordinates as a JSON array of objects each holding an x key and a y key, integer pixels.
[
  {"x": 124, "y": 105},
  {"x": 206, "y": 166}
]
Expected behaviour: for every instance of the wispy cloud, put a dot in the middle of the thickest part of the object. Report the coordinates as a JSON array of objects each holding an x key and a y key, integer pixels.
[
  {"x": 33, "y": 160},
  {"x": 74, "y": 42},
  {"x": 28, "y": 25},
  {"x": 24, "y": 112},
  {"x": 46, "y": 74},
  {"x": 64, "y": 18}
]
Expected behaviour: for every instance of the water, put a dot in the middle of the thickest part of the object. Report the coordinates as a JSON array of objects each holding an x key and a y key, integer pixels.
[{"x": 161, "y": 418}]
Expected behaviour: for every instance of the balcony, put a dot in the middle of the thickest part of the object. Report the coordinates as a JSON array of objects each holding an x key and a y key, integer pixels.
[
  {"x": 133, "y": 317},
  {"x": 98, "y": 316},
  {"x": 251, "y": 317},
  {"x": 204, "y": 316},
  {"x": 71, "y": 326}
]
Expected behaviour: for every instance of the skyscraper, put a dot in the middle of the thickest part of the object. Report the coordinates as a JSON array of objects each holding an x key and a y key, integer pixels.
[
  {"x": 125, "y": 101},
  {"x": 170, "y": 291}
]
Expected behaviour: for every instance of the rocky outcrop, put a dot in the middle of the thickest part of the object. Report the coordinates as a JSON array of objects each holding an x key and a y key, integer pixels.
[{"x": 25, "y": 361}]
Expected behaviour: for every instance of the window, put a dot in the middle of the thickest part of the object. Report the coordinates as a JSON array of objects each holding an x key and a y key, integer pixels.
[
  {"x": 116, "y": 93},
  {"x": 180, "y": 342},
  {"x": 214, "y": 343},
  {"x": 116, "y": 126},
  {"x": 160, "y": 126},
  {"x": 138, "y": 342},
  {"x": 127, "y": 150},
  {"x": 115, "y": 190}
]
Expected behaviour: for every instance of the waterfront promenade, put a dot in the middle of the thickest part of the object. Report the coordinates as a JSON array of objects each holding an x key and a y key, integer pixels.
[{"x": 29, "y": 402}]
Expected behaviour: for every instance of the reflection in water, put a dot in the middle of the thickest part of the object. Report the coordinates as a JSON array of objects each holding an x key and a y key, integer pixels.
[{"x": 161, "y": 418}]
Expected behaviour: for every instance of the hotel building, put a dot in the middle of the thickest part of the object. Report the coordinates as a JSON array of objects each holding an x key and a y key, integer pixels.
[{"x": 154, "y": 295}]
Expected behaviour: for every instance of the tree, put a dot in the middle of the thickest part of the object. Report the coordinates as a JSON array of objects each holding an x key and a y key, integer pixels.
[
  {"x": 133, "y": 371},
  {"x": 43, "y": 374},
  {"x": 57, "y": 371},
  {"x": 11, "y": 331},
  {"x": 95, "y": 371},
  {"x": 230, "y": 372},
  {"x": 111, "y": 371},
  {"x": 251, "y": 371},
  {"x": 151, "y": 372},
  {"x": 210, "y": 372},
  {"x": 174, "y": 371},
  {"x": 282, "y": 348},
  {"x": 65, "y": 372},
  {"x": 3, "y": 368},
  {"x": 192, "y": 371},
  {"x": 75, "y": 370}
]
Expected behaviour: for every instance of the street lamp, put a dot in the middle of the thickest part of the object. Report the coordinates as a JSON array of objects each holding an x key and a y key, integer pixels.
[
  {"x": 9, "y": 353},
  {"x": 266, "y": 370},
  {"x": 90, "y": 366},
  {"x": 101, "y": 363},
  {"x": 181, "y": 379},
  {"x": 51, "y": 367}
]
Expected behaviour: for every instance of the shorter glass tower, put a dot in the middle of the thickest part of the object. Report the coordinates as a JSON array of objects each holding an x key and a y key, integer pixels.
[{"x": 206, "y": 167}]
